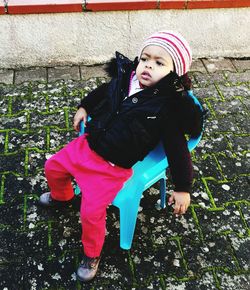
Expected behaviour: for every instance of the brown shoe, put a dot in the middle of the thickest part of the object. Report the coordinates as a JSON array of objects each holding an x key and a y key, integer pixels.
[{"x": 88, "y": 268}]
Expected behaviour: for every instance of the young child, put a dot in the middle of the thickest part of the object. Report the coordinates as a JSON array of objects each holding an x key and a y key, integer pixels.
[{"x": 146, "y": 101}]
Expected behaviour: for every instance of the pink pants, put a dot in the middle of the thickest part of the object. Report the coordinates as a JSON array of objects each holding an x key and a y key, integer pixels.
[{"x": 98, "y": 180}]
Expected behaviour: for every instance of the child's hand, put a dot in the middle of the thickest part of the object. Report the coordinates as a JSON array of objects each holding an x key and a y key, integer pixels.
[
  {"x": 181, "y": 201},
  {"x": 81, "y": 115}
]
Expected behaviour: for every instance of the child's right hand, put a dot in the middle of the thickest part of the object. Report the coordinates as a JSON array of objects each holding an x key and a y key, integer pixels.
[
  {"x": 181, "y": 202},
  {"x": 81, "y": 115}
]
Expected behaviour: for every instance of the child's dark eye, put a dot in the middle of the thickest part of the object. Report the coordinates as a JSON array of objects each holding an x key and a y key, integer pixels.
[
  {"x": 143, "y": 59},
  {"x": 159, "y": 63}
]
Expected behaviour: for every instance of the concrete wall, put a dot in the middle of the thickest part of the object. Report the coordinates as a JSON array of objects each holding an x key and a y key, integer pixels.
[{"x": 90, "y": 38}]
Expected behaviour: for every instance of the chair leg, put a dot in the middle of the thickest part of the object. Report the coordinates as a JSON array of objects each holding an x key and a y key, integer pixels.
[
  {"x": 128, "y": 217},
  {"x": 77, "y": 190},
  {"x": 163, "y": 192}
]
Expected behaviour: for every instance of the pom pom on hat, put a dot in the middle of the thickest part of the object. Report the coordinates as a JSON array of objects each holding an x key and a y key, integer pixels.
[{"x": 176, "y": 45}]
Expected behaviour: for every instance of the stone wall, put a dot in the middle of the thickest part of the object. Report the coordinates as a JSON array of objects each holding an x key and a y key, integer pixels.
[{"x": 92, "y": 37}]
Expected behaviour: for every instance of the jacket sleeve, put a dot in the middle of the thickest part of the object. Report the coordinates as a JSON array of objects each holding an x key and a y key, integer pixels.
[
  {"x": 190, "y": 115},
  {"x": 179, "y": 158},
  {"x": 94, "y": 98}
]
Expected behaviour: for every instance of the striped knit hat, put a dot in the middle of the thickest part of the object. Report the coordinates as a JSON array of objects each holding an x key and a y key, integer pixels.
[{"x": 176, "y": 45}]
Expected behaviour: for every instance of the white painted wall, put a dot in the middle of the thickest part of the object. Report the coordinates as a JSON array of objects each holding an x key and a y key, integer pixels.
[{"x": 90, "y": 38}]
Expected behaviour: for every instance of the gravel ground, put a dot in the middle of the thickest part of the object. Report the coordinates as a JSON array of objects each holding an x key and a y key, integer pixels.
[{"x": 208, "y": 248}]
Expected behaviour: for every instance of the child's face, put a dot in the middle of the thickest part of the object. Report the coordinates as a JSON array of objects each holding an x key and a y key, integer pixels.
[{"x": 155, "y": 63}]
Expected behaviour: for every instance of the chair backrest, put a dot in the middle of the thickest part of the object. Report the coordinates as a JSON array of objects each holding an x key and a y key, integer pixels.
[{"x": 193, "y": 142}]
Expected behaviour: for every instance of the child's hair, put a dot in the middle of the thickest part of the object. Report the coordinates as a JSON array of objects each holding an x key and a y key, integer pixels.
[
  {"x": 186, "y": 82},
  {"x": 176, "y": 45}
]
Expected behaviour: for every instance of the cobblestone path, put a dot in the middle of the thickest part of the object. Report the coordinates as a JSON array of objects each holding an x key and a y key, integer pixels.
[{"x": 208, "y": 248}]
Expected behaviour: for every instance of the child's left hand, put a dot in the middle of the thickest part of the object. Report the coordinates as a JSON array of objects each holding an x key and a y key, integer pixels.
[
  {"x": 81, "y": 115},
  {"x": 181, "y": 202}
]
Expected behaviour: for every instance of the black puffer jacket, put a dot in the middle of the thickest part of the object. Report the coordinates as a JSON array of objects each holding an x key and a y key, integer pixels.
[{"x": 124, "y": 131}]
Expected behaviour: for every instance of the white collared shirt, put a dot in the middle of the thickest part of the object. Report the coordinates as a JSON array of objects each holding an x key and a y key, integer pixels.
[{"x": 134, "y": 86}]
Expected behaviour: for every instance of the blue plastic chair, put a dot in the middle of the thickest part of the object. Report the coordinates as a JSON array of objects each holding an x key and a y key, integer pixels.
[{"x": 145, "y": 173}]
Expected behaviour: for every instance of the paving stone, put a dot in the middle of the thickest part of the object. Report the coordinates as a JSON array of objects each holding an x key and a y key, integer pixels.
[
  {"x": 60, "y": 138},
  {"x": 208, "y": 167},
  {"x": 200, "y": 194},
  {"x": 243, "y": 123},
  {"x": 233, "y": 106},
  {"x": 57, "y": 102},
  {"x": 5, "y": 90},
  {"x": 226, "y": 123},
  {"x": 204, "y": 80},
  {"x": 154, "y": 283},
  {"x": 245, "y": 210},
  {"x": 60, "y": 268},
  {"x": 35, "y": 139},
  {"x": 30, "y": 74},
  {"x": 163, "y": 224},
  {"x": 71, "y": 114},
  {"x": 63, "y": 73},
  {"x": 214, "y": 144},
  {"x": 235, "y": 91},
  {"x": 238, "y": 78},
  {"x": 2, "y": 141},
  {"x": 92, "y": 84},
  {"x": 115, "y": 271},
  {"x": 36, "y": 161},
  {"x": 7, "y": 191},
  {"x": 213, "y": 252},
  {"x": 214, "y": 65},
  {"x": 17, "y": 279},
  {"x": 23, "y": 186},
  {"x": 207, "y": 93},
  {"x": 206, "y": 282},
  {"x": 241, "y": 247},
  {"x": 7, "y": 161},
  {"x": 55, "y": 119},
  {"x": 165, "y": 259},
  {"x": 6, "y": 76},
  {"x": 227, "y": 108},
  {"x": 16, "y": 122},
  {"x": 232, "y": 282},
  {"x": 233, "y": 167},
  {"x": 28, "y": 104},
  {"x": 232, "y": 191},
  {"x": 88, "y": 72},
  {"x": 240, "y": 143},
  {"x": 214, "y": 222},
  {"x": 11, "y": 203},
  {"x": 197, "y": 65},
  {"x": 26, "y": 90},
  {"x": 241, "y": 64},
  {"x": 56, "y": 234},
  {"x": 173, "y": 226},
  {"x": 4, "y": 106}
]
